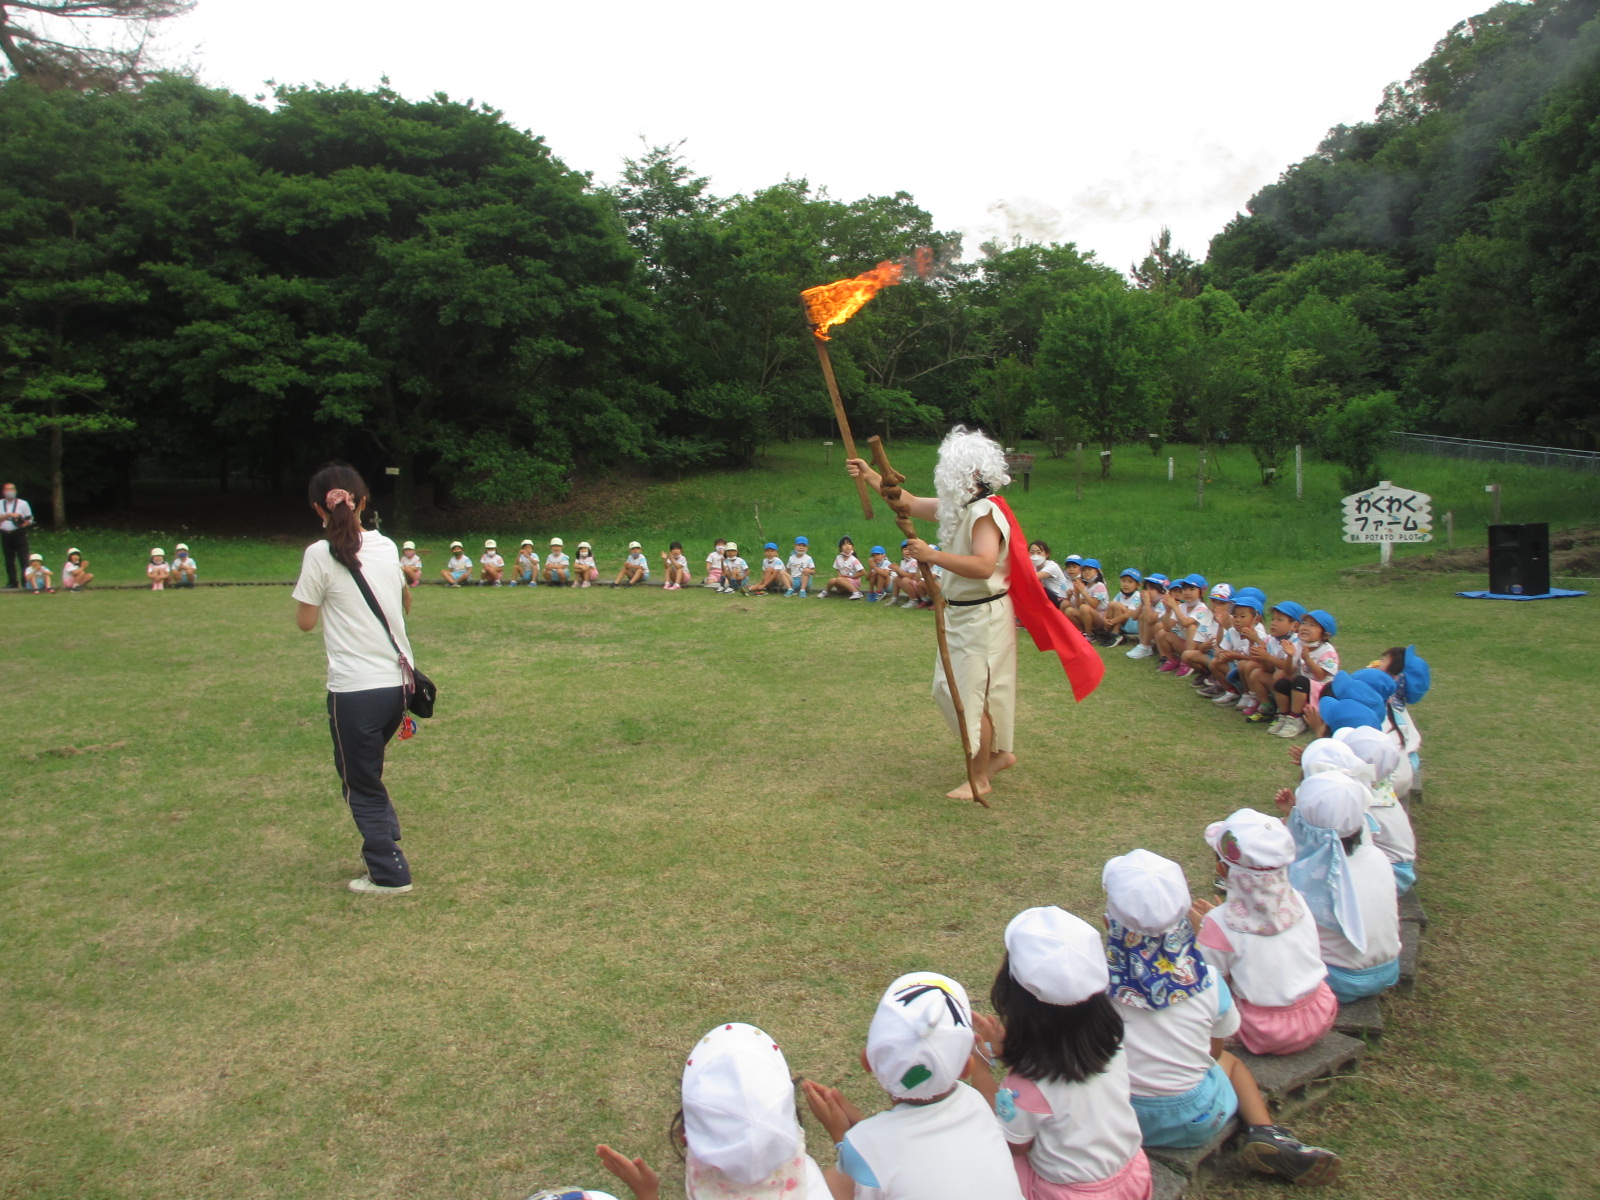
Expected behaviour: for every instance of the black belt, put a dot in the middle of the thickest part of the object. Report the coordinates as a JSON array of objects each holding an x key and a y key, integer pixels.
[{"x": 970, "y": 603}]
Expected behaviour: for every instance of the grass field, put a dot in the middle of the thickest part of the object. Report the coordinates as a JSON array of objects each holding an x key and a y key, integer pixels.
[{"x": 640, "y": 814}]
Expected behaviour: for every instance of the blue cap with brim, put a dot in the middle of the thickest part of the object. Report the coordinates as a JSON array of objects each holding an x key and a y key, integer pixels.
[
  {"x": 1347, "y": 714},
  {"x": 1196, "y": 580},
  {"x": 802, "y": 541},
  {"x": 1130, "y": 573},
  {"x": 770, "y": 546},
  {"x": 1077, "y": 558},
  {"x": 1092, "y": 562},
  {"x": 1325, "y": 619},
  {"x": 1246, "y": 600},
  {"x": 1290, "y": 609},
  {"x": 1346, "y": 686},
  {"x": 1157, "y": 579},
  {"x": 1379, "y": 681},
  {"x": 1418, "y": 676},
  {"x": 878, "y": 550}
]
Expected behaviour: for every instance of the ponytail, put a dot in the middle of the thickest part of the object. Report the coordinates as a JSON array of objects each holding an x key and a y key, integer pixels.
[{"x": 340, "y": 491}]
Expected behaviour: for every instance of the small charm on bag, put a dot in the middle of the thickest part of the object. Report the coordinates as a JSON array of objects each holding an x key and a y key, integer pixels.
[{"x": 408, "y": 727}]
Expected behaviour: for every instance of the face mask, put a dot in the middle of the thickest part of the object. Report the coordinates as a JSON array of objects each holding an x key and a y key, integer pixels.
[{"x": 1038, "y": 560}]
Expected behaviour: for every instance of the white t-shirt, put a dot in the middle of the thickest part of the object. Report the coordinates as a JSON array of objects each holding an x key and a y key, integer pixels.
[
  {"x": 1288, "y": 647},
  {"x": 1323, "y": 655},
  {"x": 910, "y": 566},
  {"x": 1169, "y": 1049},
  {"x": 1377, "y": 897},
  {"x": 951, "y": 1150},
  {"x": 801, "y": 562},
  {"x": 637, "y": 559},
  {"x": 1081, "y": 1132},
  {"x": 69, "y": 571},
  {"x": 714, "y": 559},
  {"x": 13, "y": 511},
  {"x": 1271, "y": 971},
  {"x": 359, "y": 654},
  {"x": 1395, "y": 837},
  {"x": 677, "y": 560},
  {"x": 772, "y": 563},
  {"x": 459, "y": 563},
  {"x": 1098, "y": 594},
  {"x": 158, "y": 570},
  {"x": 1053, "y": 578},
  {"x": 492, "y": 559},
  {"x": 37, "y": 571},
  {"x": 735, "y": 565},
  {"x": 1205, "y": 622},
  {"x": 185, "y": 564},
  {"x": 555, "y": 559},
  {"x": 848, "y": 566},
  {"x": 410, "y": 559}
]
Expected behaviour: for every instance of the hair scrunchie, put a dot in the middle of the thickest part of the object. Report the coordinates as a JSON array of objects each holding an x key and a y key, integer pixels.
[{"x": 339, "y": 496}]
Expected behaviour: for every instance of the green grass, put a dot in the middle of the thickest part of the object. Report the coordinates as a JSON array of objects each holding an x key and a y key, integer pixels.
[
  {"x": 1137, "y": 518},
  {"x": 640, "y": 814}
]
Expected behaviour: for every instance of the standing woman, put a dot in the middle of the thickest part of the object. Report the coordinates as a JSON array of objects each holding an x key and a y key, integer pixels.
[{"x": 366, "y": 700}]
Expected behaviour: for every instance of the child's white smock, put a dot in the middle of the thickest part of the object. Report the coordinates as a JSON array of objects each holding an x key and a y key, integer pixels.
[{"x": 982, "y": 637}]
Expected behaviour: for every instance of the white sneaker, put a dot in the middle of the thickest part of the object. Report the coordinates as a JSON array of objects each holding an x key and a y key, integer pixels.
[
  {"x": 1277, "y": 723},
  {"x": 1289, "y": 727},
  {"x": 1227, "y": 698},
  {"x": 857, "y": 596},
  {"x": 1245, "y": 700},
  {"x": 911, "y": 602},
  {"x": 1141, "y": 652},
  {"x": 365, "y": 884}
]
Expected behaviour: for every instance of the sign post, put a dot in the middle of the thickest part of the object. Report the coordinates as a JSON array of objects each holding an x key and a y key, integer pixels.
[{"x": 1387, "y": 514}]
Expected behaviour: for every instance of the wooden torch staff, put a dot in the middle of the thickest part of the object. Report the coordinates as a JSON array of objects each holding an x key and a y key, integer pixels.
[
  {"x": 895, "y": 499},
  {"x": 844, "y": 424}
]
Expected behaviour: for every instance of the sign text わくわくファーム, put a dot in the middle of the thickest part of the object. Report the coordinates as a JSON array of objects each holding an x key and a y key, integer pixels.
[{"x": 1387, "y": 514}]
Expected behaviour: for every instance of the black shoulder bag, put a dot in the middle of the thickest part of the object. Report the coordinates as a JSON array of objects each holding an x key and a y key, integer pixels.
[{"x": 420, "y": 690}]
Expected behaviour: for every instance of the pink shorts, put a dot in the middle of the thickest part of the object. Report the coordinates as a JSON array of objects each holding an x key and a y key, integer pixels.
[
  {"x": 1130, "y": 1183},
  {"x": 714, "y": 575},
  {"x": 1287, "y": 1030}
]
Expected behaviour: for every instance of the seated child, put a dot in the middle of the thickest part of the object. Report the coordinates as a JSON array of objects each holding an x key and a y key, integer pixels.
[
  {"x": 494, "y": 567},
  {"x": 1262, "y": 939},
  {"x": 1086, "y": 605},
  {"x": 907, "y": 579},
  {"x": 677, "y": 568},
  {"x": 458, "y": 567},
  {"x": 714, "y": 566},
  {"x": 1189, "y": 625},
  {"x": 557, "y": 566},
  {"x": 584, "y": 568},
  {"x": 1208, "y": 678},
  {"x": 1319, "y": 663},
  {"x": 1122, "y": 613},
  {"x": 847, "y": 571},
  {"x": 184, "y": 568},
  {"x": 75, "y": 574},
  {"x": 1152, "y": 612},
  {"x": 940, "y": 1140},
  {"x": 411, "y": 564},
  {"x": 1176, "y": 1013},
  {"x": 1234, "y": 646},
  {"x": 1384, "y": 688},
  {"x": 880, "y": 573},
  {"x": 1064, "y": 1106},
  {"x": 1049, "y": 571},
  {"x": 527, "y": 572},
  {"x": 1277, "y": 657},
  {"x": 774, "y": 577},
  {"x": 735, "y": 571},
  {"x": 738, "y": 1125},
  {"x": 635, "y": 567},
  {"x": 1347, "y": 884},
  {"x": 1413, "y": 678},
  {"x": 801, "y": 567},
  {"x": 36, "y": 576},
  {"x": 1394, "y": 836},
  {"x": 158, "y": 569}
]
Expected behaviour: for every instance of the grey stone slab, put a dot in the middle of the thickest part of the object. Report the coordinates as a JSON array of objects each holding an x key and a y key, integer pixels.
[
  {"x": 1293, "y": 1082},
  {"x": 1361, "y": 1019},
  {"x": 1165, "y": 1184},
  {"x": 1194, "y": 1161},
  {"x": 1409, "y": 951},
  {"x": 1411, "y": 910}
]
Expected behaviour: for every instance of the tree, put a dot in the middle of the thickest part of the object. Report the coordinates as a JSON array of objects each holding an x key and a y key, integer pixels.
[
  {"x": 1096, "y": 364},
  {"x": 1169, "y": 272},
  {"x": 1002, "y": 398},
  {"x": 39, "y": 41},
  {"x": 1279, "y": 391},
  {"x": 1353, "y": 434}
]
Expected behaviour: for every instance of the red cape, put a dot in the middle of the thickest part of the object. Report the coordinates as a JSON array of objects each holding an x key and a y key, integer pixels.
[{"x": 1046, "y": 623}]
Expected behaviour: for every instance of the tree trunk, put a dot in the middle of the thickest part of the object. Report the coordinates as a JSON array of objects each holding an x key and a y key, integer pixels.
[
  {"x": 405, "y": 489},
  {"x": 58, "y": 488},
  {"x": 1105, "y": 461}
]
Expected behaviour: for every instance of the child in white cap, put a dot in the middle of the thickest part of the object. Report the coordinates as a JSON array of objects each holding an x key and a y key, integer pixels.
[
  {"x": 527, "y": 571},
  {"x": 635, "y": 567},
  {"x": 494, "y": 566},
  {"x": 677, "y": 564},
  {"x": 1347, "y": 883},
  {"x": 740, "y": 1128},
  {"x": 1176, "y": 1013},
  {"x": 75, "y": 573},
  {"x": 940, "y": 1140},
  {"x": 158, "y": 569},
  {"x": 411, "y": 564},
  {"x": 36, "y": 576},
  {"x": 557, "y": 566},
  {"x": 1064, "y": 1106},
  {"x": 584, "y": 569},
  {"x": 458, "y": 567},
  {"x": 1381, "y": 755},
  {"x": 1262, "y": 939},
  {"x": 735, "y": 571},
  {"x": 184, "y": 568}
]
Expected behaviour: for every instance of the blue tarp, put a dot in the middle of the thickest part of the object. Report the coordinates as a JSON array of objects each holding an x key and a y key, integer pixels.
[{"x": 1552, "y": 594}]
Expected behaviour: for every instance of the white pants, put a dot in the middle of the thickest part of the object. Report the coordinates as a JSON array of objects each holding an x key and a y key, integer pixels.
[{"x": 983, "y": 654}]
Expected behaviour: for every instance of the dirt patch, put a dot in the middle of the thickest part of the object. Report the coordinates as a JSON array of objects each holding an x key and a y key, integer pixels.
[{"x": 1573, "y": 552}]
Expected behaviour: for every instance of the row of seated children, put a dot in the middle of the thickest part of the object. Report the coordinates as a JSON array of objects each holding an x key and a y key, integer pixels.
[
  {"x": 878, "y": 580},
  {"x": 181, "y": 572},
  {"x": 1109, "y": 1045},
  {"x": 557, "y": 569}
]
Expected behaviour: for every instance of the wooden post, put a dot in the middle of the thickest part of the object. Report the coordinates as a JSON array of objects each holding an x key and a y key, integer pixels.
[
  {"x": 1169, "y": 468},
  {"x": 844, "y": 423},
  {"x": 1080, "y": 471},
  {"x": 1299, "y": 475},
  {"x": 892, "y": 496},
  {"x": 1450, "y": 530},
  {"x": 1385, "y": 553},
  {"x": 1495, "y": 488}
]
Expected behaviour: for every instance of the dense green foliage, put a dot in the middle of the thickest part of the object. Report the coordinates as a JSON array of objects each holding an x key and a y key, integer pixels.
[{"x": 195, "y": 285}]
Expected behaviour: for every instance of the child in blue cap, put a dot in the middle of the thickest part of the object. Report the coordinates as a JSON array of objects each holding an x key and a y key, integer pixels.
[
  {"x": 1086, "y": 604},
  {"x": 1122, "y": 614},
  {"x": 1278, "y": 657},
  {"x": 1234, "y": 648},
  {"x": 773, "y": 576},
  {"x": 1319, "y": 663},
  {"x": 1152, "y": 608},
  {"x": 801, "y": 567},
  {"x": 880, "y": 574}
]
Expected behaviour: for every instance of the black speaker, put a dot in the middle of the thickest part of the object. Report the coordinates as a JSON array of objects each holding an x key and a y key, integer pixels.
[{"x": 1519, "y": 560}]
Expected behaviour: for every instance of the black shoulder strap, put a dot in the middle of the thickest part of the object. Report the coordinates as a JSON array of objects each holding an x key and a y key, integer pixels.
[{"x": 377, "y": 611}]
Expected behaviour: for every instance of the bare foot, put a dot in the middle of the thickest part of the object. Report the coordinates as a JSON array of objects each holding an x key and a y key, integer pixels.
[
  {"x": 964, "y": 792},
  {"x": 1003, "y": 761}
]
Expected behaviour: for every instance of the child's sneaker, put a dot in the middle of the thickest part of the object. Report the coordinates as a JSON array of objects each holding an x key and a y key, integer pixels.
[
  {"x": 1168, "y": 666},
  {"x": 1273, "y": 728},
  {"x": 1141, "y": 651},
  {"x": 1262, "y": 714},
  {"x": 1184, "y": 671},
  {"x": 1249, "y": 705},
  {"x": 857, "y": 596},
  {"x": 1273, "y": 1150},
  {"x": 1289, "y": 727},
  {"x": 1227, "y": 696}
]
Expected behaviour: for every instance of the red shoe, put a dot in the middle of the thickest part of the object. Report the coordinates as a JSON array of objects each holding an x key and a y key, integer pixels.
[
  {"x": 1185, "y": 671},
  {"x": 1168, "y": 666}
]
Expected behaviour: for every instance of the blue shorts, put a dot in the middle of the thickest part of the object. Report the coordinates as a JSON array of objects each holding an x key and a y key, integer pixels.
[
  {"x": 1131, "y": 625},
  {"x": 1190, "y": 1118},
  {"x": 1348, "y": 985},
  {"x": 1405, "y": 876}
]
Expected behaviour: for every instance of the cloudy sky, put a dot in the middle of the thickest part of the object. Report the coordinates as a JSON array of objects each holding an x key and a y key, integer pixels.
[{"x": 1065, "y": 121}]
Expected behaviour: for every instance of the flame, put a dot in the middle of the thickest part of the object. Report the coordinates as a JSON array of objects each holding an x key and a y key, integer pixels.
[{"x": 835, "y": 303}]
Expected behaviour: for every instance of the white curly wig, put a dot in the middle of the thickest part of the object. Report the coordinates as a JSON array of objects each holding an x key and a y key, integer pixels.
[{"x": 966, "y": 458}]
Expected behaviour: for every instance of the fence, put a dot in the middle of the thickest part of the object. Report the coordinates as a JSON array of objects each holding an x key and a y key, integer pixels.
[{"x": 1506, "y": 452}]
